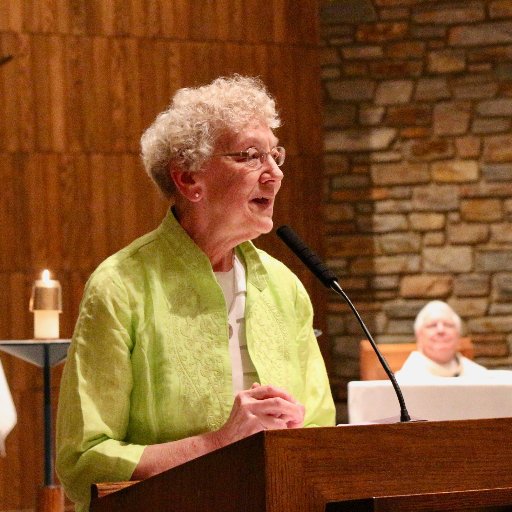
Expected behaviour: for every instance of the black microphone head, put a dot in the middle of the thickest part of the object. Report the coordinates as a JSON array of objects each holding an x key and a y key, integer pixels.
[{"x": 306, "y": 255}]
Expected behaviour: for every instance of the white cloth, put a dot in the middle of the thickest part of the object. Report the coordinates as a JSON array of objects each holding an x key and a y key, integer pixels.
[
  {"x": 418, "y": 366},
  {"x": 488, "y": 395},
  {"x": 8, "y": 416},
  {"x": 234, "y": 287}
]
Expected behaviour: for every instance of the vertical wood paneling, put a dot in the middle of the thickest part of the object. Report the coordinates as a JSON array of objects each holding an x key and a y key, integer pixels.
[
  {"x": 40, "y": 49},
  {"x": 86, "y": 79},
  {"x": 118, "y": 98},
  {"x": 72, "y": 175},
  {"x": 99, "y": 245},
  {"x": 8, "y": 218},
  {"x": 132, "y": 106},
  {"x": 35, "y": 187},
  {"x": 96, "y": 17},
  {"x": 10, "y": 104},
  {"x": 309, "y": 104},
  {"x": 56, "y": 125},
  {"x": 98, "y": 113},
  {"x": 77, "y": 59},
  {"x": 155, "y": 89},
  {"x": 19, "y": 290},
  {"x": 53, "y": 198},
  {"x": 11, "y": 15},
  {"x": 23, "y": 95},
  {"x": 231, "y": 22},
  {"x": 76, "y": 19},
  {"x": 282, "y": 68},
  {"x": 86, "y": 108}
]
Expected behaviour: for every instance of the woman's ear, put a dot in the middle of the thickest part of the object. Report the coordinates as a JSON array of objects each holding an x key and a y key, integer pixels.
[{"x": 187, "y": 184}]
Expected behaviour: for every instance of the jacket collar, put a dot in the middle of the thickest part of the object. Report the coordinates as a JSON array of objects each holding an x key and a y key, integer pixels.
[{"x": 196, "y": 260}]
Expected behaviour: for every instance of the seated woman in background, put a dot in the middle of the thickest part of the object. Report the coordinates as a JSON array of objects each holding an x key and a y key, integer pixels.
[{"x": 437, "y": 329}]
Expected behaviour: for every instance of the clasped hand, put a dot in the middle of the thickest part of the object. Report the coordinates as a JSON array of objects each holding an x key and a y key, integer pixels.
[{"x": 261, "y": 408}]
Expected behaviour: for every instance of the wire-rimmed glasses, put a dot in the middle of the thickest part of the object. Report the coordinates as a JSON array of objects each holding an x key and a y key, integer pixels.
[{"x": 255, "y": 158}]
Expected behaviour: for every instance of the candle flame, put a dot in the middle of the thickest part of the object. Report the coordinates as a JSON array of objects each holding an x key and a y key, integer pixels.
[{"x": 46, "y": 276}]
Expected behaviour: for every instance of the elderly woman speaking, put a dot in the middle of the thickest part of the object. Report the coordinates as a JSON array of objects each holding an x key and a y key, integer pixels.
[{"x": 191, "y": 338}]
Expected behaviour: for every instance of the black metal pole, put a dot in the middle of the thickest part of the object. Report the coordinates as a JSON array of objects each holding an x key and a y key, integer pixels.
[{"x": 48, "y": 455}]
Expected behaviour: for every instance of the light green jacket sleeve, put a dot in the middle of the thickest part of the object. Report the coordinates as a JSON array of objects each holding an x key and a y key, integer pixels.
[{"x": 94, "y": 403}]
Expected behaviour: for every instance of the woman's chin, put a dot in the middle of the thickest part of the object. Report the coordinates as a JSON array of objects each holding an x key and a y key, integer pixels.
[
  {"x": 262, "y": 227},
  {"x": 267, "y": 226}
]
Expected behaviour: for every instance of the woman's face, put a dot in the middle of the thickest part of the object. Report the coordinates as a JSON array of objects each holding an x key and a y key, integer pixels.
[
  {"x": 238, "y": 199},
  {"x": 439, "y": 337}
]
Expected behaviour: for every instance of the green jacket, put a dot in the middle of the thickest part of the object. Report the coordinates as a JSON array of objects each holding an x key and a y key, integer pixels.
[{"x": 149, "y": 358}]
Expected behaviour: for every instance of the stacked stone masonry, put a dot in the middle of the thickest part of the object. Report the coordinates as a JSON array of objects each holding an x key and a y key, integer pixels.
[{"x": 418, "y": 171}]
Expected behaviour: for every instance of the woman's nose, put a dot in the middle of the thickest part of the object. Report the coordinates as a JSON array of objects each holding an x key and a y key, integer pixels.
[
  {"x": 440, "y": 326},
  {"x": 271, "y": 169}
]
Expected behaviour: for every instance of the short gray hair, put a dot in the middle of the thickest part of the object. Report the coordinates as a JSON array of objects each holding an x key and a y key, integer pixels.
[
  {"x": 187, "y": 131},
  {"x": 419, "y": 322}
]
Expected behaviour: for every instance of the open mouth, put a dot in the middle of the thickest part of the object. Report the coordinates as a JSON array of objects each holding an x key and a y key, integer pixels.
[{"x": 263, "y": 201}]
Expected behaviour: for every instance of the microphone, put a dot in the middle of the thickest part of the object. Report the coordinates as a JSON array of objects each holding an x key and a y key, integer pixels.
[{"x": 329, "y": 280}]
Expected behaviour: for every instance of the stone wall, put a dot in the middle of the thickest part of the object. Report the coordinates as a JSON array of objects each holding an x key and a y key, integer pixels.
[{"x": 418, "y": 170}]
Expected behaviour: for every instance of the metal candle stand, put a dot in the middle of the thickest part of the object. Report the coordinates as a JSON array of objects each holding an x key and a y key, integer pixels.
[{"x": 45, "y": 354}]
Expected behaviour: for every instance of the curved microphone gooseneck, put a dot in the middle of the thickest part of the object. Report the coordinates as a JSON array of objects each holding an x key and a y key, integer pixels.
[{"x": 329, "y": 279}]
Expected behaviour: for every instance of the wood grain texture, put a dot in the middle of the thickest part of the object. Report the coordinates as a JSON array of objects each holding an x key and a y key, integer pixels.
[
  {"x": 486, "y": 500},
  {"x": 86, "y": 79},
  {"x": 303, "y": 470},
  {"x": 50, "y": 499}
]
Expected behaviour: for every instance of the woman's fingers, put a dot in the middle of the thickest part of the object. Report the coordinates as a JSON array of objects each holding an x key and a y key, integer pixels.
[
  {"x": 262, "y": 392},
  {"x": 277, "y": 402},
  {"x": 271, "y": 401},
  {"x": 262, "y": 408},
  {"x": 277, "y": 407}
]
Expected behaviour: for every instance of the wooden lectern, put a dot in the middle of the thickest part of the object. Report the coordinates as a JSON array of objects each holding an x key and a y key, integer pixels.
[{"x": 399, "y": 467}]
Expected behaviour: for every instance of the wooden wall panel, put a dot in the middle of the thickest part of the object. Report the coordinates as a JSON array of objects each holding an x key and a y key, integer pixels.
[
  {"x": 253, "y": 21},
  {"x": 87, "y": 78}
]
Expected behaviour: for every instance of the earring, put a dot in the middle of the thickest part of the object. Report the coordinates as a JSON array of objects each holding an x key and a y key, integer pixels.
[{"x": 196, "y": 195}]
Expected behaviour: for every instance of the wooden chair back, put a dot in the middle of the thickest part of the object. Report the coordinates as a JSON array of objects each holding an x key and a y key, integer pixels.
[{"x": 395, "y": 354}]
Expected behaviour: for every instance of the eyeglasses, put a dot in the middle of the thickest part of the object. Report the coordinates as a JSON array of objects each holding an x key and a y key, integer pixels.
[{"x": 255, "y": 158}]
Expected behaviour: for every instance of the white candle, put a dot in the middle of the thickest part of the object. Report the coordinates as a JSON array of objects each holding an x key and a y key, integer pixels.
[
  {"x": 46, "y": 325},
  {"x": 46, "y": 303}
]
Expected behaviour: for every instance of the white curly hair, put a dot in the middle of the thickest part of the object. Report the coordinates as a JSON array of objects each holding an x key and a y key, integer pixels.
[{"x": 186, "y": 133}]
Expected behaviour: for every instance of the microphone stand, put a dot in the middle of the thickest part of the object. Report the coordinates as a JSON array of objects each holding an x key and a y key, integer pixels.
[
  {"x": 404, "y": 414},
  {"x": 329, "y": 280}
]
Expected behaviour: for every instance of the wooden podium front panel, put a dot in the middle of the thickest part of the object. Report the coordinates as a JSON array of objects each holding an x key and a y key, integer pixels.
[
  {"x": 228, "y": 480},
  {"x": 304, "y": 470},
  {"x": 487, "y": 500},
  {"x": 347, "y": 463}
]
